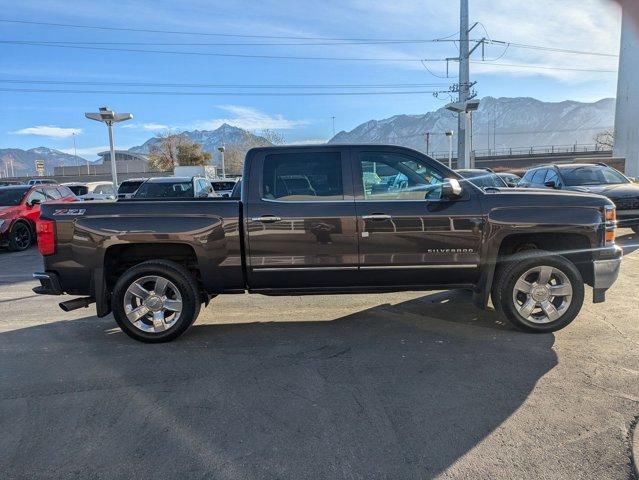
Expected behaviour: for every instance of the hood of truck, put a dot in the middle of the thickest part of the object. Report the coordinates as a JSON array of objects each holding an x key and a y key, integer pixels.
[
  {"x": 545, "y": 196},
  {"x": 620, "y": 190}
]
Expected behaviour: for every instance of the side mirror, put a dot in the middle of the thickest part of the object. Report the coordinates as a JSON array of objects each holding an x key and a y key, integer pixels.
[
  {"x": 550, "y": 184},
  {"x": 451, "y": 189},
  {"x": 34, "y": 202}
]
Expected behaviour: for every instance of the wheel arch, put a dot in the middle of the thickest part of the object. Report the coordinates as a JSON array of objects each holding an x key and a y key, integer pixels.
[{"x": 575, "y": 247}]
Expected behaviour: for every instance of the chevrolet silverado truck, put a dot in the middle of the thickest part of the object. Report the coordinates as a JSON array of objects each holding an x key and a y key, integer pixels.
[{"x": 332, "y": 219}]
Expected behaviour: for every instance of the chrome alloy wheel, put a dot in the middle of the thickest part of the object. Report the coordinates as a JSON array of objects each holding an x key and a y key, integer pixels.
[
  {"x": 542, "y": 294},
  {"x": 152, "y": 304}
]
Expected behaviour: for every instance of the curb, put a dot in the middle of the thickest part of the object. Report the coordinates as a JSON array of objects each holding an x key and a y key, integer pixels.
[{"x": 634, "y": 448}]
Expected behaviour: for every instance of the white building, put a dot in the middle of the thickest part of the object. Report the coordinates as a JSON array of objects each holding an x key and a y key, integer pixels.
[{"x": 627, "y": 112}]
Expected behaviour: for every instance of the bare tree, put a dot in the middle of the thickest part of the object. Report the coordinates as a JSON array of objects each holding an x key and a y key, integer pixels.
[
  {"x": 172, "y": 150},
  {"x": 605, "y": 140},
  {"x": 163, "y": 154}
]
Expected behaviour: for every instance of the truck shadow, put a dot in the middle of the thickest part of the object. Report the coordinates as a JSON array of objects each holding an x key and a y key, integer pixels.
[
  {"x": 629, "y": 242},
  {"x": 395, "y": 391}
]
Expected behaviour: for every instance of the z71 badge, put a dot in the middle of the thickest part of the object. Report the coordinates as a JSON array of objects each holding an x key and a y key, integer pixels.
[{"x": 69, "y": 211}]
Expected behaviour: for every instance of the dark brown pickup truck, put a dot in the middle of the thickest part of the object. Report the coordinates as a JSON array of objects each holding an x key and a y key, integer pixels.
[{"x": 332, "y": 219}]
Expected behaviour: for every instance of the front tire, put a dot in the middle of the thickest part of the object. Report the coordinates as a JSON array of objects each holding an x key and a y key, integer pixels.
[
  {"x": 20, "y": 237},
  {"x": 539, "y": 292},
  {"x": 155, "y": 301}
]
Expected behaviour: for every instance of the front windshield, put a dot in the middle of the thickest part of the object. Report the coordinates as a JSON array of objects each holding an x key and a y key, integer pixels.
[
  {"x": 165, "y": 190},
  {"x": 484, "y": 179},
  {"x": 592, "y": 175},
  {"x": 11, "y": 197}
]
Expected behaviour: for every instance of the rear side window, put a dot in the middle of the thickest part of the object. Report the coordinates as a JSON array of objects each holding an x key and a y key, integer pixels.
[
  {"x": 538, "y": 177},
  {"x": 302, "y": 177}
]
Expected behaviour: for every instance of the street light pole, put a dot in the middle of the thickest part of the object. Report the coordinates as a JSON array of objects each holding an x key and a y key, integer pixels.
[
  {"x": 449, "y": 134},
  {"x": 114, "y": 170},
  {"x": 109, "y": 117},
  {"x": 221, "y": 149}
]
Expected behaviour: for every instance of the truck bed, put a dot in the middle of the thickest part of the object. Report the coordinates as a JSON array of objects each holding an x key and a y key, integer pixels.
[{"x": 91, "y": 236}]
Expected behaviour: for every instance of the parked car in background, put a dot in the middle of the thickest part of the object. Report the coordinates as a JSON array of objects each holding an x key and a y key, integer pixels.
[
  {"x": 20, "y": 210},
  {"x": 92, "y": 190},
  {"x": 591, "y": 178},
  {"x": 483, "y": 178},
  {"x": 224, "y": 186},
  {"x": 6, "y": 183},
  {"x": 237, "y": 189},
  {"x": 42, "y": 181},
  {"x": 510, "y": 178},
  {"x": 175, "y": 187},
  {"x": 128, "y": 187}
]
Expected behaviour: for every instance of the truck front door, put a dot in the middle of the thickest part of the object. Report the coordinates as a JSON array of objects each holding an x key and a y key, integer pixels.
[
  {"x": 300, "y": 219},
  {"x": 408, "y": 234}
]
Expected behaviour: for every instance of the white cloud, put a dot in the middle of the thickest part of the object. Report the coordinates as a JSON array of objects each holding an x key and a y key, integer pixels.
[
  {"x": 250, "y": 118},
  {"x": 49, "y": 131},
  {"x": 86, "y": 152},
  {"x": 149, "y": 127}
]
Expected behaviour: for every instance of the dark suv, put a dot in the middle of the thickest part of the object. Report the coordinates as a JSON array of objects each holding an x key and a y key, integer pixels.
[{"x": 590, "y": 178}]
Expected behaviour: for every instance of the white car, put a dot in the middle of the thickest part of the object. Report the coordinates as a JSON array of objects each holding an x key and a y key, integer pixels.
[{"x": 92, "y": 190}]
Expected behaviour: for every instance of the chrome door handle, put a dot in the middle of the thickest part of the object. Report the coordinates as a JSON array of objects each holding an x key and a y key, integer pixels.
[
  {"x": 266, "y": 219},
  {"x": 376, "y": 216}
]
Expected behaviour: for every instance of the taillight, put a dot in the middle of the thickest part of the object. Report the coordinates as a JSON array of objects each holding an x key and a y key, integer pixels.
[
  {"x": 46, "y": 236},
  {"x": 610, "y": 217}
]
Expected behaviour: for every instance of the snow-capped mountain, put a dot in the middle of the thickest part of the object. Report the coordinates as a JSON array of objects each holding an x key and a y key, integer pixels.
[
  {"x": 24, "y": 160},
  {"x": 504, "y": 122},
  {"x": 209, "y": 139}
]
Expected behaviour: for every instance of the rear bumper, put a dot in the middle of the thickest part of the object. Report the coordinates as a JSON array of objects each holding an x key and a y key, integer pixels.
[{"x": 49, "y": 283}]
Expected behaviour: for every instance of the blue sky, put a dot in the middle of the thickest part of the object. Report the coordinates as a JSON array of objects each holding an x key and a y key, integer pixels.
[{"x": 33, "y": 119}]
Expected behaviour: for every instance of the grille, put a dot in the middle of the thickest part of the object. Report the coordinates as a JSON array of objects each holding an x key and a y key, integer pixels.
[{"x": 627, "y": 203}]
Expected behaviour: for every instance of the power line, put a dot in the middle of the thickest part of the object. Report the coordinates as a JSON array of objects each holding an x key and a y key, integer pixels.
[
  {"x": 217, "y": 54},
  {"x": 228, "y": 44},
  {"x": 543, "y": 67},
  {"x": 241, "y": 94},
  {"x": 217, "y": 85},
  {"x": 232, "y": 35}
]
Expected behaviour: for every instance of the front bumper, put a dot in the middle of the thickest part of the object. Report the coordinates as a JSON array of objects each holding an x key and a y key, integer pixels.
[
  {"x": 49, "y": 284},
  {"x": 605, "y": 273}
]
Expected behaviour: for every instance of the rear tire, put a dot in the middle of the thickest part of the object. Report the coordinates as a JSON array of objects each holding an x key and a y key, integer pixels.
[
  {"x": 155, "y": 301},
  {"x": 538, "y": 292},
  {"x": 20, "y": 237}
]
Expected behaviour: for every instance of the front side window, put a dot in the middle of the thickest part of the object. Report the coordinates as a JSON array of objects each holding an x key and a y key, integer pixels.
[
  {"x": 539, "y": 176},
  {"x": 294, "y": 177},
  {"x": 52, "y": 194},
  {"x": 392, "y": 176}
]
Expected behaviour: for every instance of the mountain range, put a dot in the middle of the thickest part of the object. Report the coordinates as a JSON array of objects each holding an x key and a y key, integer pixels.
[{"x": 498, "y": 123}]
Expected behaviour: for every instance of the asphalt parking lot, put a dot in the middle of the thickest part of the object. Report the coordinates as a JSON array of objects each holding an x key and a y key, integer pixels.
[{"x": 401, "y": 386}]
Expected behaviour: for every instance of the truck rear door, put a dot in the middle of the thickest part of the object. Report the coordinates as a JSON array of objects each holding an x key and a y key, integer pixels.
[
  {"x": 409, "y": 235},
  {"x": 300, "y": 219}
]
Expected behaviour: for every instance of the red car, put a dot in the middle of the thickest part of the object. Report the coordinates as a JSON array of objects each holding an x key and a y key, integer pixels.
[{"x": 20, "y": 210}]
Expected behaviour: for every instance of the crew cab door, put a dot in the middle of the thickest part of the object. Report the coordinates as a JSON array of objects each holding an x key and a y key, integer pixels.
[
  {"x": 409, "y": 234},
  {"x": 300, "y": 219}
]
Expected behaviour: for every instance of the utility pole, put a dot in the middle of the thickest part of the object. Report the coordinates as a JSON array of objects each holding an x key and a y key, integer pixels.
[
  {"x": 427, "y": 142},
  {"x": 463, "y": 144}
]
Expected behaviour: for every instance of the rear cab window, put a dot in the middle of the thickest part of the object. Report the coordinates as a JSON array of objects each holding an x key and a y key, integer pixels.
[{"x": 307, "y": 176}]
